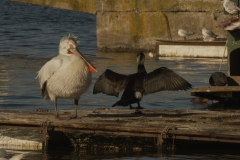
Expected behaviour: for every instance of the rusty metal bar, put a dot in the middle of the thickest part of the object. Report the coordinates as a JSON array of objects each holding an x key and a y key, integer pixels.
[
  {"x": 159, "y": 143},
  {"x": 44, "y": 139}
]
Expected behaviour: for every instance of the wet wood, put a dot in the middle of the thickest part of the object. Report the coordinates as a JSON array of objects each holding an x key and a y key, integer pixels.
[
  {"x": 202, "y": 125},
  {"x": 230, "y": 92},
  {"x": 217, "y": 89}
]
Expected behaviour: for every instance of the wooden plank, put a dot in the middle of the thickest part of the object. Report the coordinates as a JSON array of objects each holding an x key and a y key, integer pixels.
[
  {"x": 217, "y": 92},
  {"x": 120, "y": 133},
  {"x": 185, "y": 124},
  {"x": 177, "y": 134},
  {"x": 204, "y": 134},
  {"x": 216, "y": 89},
  {"x": 208, "y": 139},
  {"x": 2, "y": 125}
]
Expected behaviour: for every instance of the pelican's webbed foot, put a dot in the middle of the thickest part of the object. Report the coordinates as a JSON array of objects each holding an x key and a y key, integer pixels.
[{"x": 57, "y": 115}]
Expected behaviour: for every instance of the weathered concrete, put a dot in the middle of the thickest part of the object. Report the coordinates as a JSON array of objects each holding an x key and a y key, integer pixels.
[{"x": 132, "y": 25}]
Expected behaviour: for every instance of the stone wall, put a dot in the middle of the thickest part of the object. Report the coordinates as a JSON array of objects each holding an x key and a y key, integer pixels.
[{"x": 133, "y": 25}]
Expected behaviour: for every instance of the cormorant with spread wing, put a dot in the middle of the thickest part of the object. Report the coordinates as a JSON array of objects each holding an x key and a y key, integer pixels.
[{"x": 138, "y": 84}]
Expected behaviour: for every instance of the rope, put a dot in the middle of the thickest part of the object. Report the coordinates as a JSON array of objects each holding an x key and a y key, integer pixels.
[
  {"x": 223, "y": 57},
  {"x": 167, "y": 25},
  {"x": 164, "y": 132}
]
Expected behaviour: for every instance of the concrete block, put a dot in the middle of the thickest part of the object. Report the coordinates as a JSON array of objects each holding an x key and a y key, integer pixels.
[
  {"x": 129, "y": 25},
  {"x": 129, "y": 31},
  {"x": 132, "y": 31}
]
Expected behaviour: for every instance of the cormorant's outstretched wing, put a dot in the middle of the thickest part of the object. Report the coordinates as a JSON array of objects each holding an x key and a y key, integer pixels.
[
  {"x": 110, "y": 83},
  {"x": 164, "y": 79}
]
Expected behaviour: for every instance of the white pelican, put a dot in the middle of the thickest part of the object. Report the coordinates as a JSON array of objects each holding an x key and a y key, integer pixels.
[
  {"x": 138, "y": 84},
  {"x": 67, "y": 75}
]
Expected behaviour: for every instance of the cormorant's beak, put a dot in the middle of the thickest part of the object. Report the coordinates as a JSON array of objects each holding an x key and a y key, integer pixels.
[{"x": 91, "y": 67}]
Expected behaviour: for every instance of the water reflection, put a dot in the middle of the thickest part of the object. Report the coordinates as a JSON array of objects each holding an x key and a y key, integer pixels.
[{"x": 4, "y": 79}]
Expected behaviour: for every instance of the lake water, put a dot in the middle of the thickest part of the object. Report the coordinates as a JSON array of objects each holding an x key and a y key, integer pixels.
[{"x": 29, "y": 37}]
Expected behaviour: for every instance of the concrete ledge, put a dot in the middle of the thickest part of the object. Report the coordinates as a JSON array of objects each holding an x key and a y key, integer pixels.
[
  {"x": 130, "y": 31},
  {"x": 192, "y": 51},
  {"x": 8, "y": 141}
]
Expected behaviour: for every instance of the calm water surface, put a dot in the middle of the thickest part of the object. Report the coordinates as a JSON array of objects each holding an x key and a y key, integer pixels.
[{"x": 29, "y": 37}]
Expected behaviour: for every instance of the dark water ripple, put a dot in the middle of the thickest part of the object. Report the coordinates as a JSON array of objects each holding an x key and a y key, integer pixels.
[{"x": 37, "y": 30}]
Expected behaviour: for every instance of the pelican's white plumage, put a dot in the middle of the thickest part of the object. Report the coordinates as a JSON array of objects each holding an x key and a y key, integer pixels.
[{"x": 67, "y": 75}]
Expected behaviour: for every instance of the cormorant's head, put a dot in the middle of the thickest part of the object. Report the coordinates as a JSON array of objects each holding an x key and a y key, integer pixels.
[{"x": 140, "y": 58}]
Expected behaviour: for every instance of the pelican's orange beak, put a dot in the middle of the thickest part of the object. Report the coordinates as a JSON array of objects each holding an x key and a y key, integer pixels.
[{"x": 91, "y": 67}]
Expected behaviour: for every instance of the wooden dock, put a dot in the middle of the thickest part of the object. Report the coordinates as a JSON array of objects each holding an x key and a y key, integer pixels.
[
  {"x": 199, "y": 125},
  {"x": 220, "y": 93}
]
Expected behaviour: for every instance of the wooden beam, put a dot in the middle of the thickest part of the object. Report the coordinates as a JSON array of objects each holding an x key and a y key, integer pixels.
[{"x": 209, "y": 89}]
